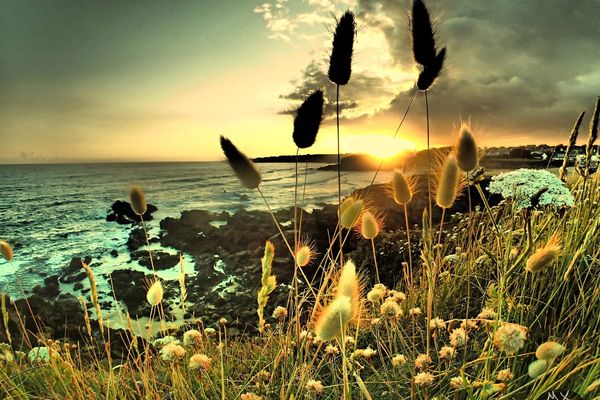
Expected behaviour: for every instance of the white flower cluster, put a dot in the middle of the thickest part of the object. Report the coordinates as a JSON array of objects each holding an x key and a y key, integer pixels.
[{"x": 521, "y": 185}]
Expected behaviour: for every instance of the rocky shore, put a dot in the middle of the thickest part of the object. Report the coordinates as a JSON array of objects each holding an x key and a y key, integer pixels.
[{"x": 226, "y": 249}]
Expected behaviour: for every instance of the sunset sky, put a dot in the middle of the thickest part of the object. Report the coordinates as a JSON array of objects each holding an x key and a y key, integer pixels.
[{"x": 159, "y": 80}]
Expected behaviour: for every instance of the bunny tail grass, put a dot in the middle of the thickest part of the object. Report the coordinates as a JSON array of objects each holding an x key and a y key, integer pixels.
[
  {"x": 340, "y": 62},
  {"x": 572, "y": 141},
  {"x": 466, "y": 149},
  {"x": 431, "y": 71},
  {"x": 423, "y": 37},
  {"x": 241, "y": 165},
  {"x": 308, "y": 120}
]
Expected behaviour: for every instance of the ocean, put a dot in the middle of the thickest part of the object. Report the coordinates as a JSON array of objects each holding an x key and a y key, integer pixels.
[{"x": 52, "y": 213}]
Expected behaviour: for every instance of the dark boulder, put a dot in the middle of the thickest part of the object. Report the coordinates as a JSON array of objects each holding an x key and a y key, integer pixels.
[{"x": 122, "y": 213}]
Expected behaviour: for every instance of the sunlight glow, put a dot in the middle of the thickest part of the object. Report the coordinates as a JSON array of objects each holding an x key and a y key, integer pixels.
[{"x": 377, "y": 145}]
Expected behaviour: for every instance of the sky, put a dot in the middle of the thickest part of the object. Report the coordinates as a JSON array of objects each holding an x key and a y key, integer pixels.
[{"x": 160, "y": 81}]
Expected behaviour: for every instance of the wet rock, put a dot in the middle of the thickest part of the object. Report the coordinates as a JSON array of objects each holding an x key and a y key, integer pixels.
[
  {"x": 74, "y": 272},
  {"x": 123, "y": 214},
  {"x": 161, "y": 260},
  {"x": 114, "y": 253},
  {"x": 49, "y": 290}
]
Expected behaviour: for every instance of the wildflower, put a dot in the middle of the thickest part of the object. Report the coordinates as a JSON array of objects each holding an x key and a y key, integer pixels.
[
  {"x": 280, "y": 312},
  {"x": 263, "y": 376},
  {"x": 303, "y": 256},
  {"x": 437, "y": 324},
  {"x": 314, "y": 386},
  {"x": 334, "y": 318},
  {"x": 340, "y": 62},
  {"x": 210, "y": 332},
  {"x": 468, "y": 324},
  {"x": 332, "y": 350},
  {"x": 458, "y": 337},
  {"x": 165, "y": 341},
  {"x": 415, "y": 312},
  {"x": 401, "y": 188},
  {"x": 422, "y": 361},
  {"x": 375, "y": 321},
  {"x": 487, "y": 313},
  {"x": 41, "y": 354},
  {"x": 549, "y": 350},
  {"x": 544, "y": 256},
  {"x": 223, "y": 321},
  {"x": 451, "y": 259},
  {"x": 458, "y": 382},
  {"x": 537, "y": 368},
  {"x": 447, "y": 353},
  {"x": 250, "y": 396},
  {"x": 172, "y": 352},
  {"x": 390, "y": 309},
  {"x": 241, "y": 164},
  {"x": 398, "y": 360},
  {"x": 396, "y": 296},
  {"x": 192, "y": 338},
  {"x": 138, "y": 200},
  {"x": 155, "y": 293},
  {"x": 424, "y": 379},
  {"x": 504, "y": 375},
  {"x": 349, "y": 341},
  {"x": 367, "y": 353},
  {"x": 369, "y": 226},
  {"x": 308, "y": 119},
  {"x": 200, "y": 361},
  {"x": 306, "y": 335},
  {"x": 510, "y": 338},
  {"x": 483, "y": 261},
  {"x": 377, "y": 294},
  {"x": 466, "y": 149},
  {"x": 523, "y": 184},
  {"x": 6, "y": 250}
]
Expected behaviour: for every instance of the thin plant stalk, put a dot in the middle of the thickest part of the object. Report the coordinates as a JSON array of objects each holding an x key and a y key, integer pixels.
[{"x": 375, "y": 260}]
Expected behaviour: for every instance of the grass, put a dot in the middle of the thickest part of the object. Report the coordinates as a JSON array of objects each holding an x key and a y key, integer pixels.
[{"x": 464, "y": 321}]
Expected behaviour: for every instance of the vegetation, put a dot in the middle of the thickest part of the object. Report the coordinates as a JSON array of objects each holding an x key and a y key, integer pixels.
[{"x": 502, "y": 305}]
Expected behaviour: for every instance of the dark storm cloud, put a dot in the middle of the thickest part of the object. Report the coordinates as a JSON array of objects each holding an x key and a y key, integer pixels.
[
  {"x": 516, "y": 67},
  {"x": 314, "y": 77}
]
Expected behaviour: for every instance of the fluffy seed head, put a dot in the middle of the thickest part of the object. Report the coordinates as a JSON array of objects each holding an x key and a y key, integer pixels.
[
  {"x": 303, "y": 256},
  {"x": 200, "y": 361},
  {"x": 334, "y": 318},
  {"x": 390, "y": 309},
  {"x": 138, "y": 200},
  {"x": 398, "y": 360},
  {"x": 192, "y": 338},
  {"x": 447, "y": 353},
  {"x": 369, "y": 226},
  {"x": 510, "y": 338},
  {"x": 424, "y": 379},
  {"x": 308, "y": 120},
  {"x": 351, "y": 213},
  {"x": 349, "y": 286},
  {"x": 241, "y": 164},
  {"x": 504, "y": 375},
  {"x": 340, "y": 62},
  {"x": 401, "y": 188},
  {"x": 537, "y": 368},
  {"x": 549, "y": 350},
  {"x": 448, "y": 183},
  {"x": 466, "y": 149},
  {"x": 6, "y": 250},
  {"x": 314, "y": 386},
  {"x": 155, "y": 293},
  {"x": 431, "y": 71},
  {"x": 172, "y": 352},
  {"x": 544, "y": 256},
  {"x": 458, "y": 337},
  {"x": 280, "y": 312}
]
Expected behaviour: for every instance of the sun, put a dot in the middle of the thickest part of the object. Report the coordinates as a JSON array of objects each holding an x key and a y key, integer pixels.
[{"x": 377, "y": 145}]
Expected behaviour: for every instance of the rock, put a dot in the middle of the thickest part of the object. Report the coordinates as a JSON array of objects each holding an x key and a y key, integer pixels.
[
  {"x": 74, "y": 272},
  {"x": 78, "y": 286},
  {"x": 162, "y": 260},
  {"x": 50, "y": 289},
  {"x": 130, "y": 287},
  {"x": 114, "y": 253},
  {"x": 122, "y": 213}
]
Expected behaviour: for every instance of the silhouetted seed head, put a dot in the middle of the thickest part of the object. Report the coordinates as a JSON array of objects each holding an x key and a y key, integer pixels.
[
  {"x": 340, "y": 62},
  {"x": 334, "y": 318},
  {"x": 544, "y": 256},
  {"x": 466, "y": 149},
  {"x": 241, "y": 165},
  {"x": 138, "y": 200},
  {"x": 308, "y": 119},
  {"x": 155, "y": 293},
  {"x": 6, "y": 250},
  {"x": 369, "y": 226},
  {"x": 448, "y": 183},
  {"x": 423, "y": 38},
  {"x": 431, "y": 71},
  {"x": 549, "y": 350},
  {"x": 401, "y": 188}
]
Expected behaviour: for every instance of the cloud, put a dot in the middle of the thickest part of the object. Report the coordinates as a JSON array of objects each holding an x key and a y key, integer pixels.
[{"x": 519, "y": 69}]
